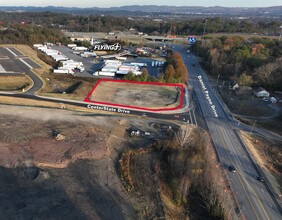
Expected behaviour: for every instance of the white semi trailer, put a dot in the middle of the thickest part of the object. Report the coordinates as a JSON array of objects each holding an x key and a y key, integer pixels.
[{"x": 100, "y": 73}]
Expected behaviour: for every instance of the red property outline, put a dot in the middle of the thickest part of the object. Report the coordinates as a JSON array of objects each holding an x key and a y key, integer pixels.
[{"x": 134, "y": 107}]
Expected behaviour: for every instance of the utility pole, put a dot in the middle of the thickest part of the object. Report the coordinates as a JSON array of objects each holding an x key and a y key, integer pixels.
[
  {"x": 88, "y": 24},
  {"x": 205, "y": 28},
  {"x": 99, "y": 24},
  {"x": 217, "y": 79}
]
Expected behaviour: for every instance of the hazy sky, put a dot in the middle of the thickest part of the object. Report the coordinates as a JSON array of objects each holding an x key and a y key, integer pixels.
[{"x": 111, "y": 3}]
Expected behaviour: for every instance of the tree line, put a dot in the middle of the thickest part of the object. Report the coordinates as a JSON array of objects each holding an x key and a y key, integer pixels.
[
  {"x": 176, "y": 26},
  {"x": 252, "y": 61},
  {"x": 30, "y": 34}
]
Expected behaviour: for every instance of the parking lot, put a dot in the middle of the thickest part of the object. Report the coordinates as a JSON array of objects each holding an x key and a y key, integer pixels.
[
  {"x": 91, "y": 67},
  {"x": 13, "y": 62}
]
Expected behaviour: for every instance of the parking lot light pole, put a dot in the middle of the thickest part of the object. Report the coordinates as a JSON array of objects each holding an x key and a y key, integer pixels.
[{"x": 253, "y": 127}]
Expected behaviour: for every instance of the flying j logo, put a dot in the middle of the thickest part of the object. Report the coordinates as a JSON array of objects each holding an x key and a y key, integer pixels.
[{"x": 112, "y": 47}]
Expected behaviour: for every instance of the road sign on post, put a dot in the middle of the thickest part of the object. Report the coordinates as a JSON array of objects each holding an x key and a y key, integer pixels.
[{"x": 192, "y": 39}]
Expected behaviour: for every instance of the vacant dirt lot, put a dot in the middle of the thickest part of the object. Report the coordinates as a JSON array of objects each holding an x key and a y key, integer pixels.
[
  {"x": 138, "y": 95},
  {"x": 12, "y": 83},
  {"x": 74, "y": 178},
  {"x": 67, "y": 86}
]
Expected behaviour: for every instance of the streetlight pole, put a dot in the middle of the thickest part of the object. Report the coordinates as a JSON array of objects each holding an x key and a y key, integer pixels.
[{"x": 253, "y": 127}]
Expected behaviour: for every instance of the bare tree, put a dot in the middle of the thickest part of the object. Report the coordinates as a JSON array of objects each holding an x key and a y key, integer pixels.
[{"x": 184, "y": 136}]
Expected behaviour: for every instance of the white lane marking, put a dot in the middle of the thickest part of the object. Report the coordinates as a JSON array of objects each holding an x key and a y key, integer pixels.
[
  {"x": 230, "y": 144},
  {"x": 11, "y": 52},
  {"x": 26, "y": 63},
  {"x": 2, "y": 68}
]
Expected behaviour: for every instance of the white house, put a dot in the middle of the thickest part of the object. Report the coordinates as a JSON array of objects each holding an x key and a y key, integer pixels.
[{"x": 260, "y": 92}]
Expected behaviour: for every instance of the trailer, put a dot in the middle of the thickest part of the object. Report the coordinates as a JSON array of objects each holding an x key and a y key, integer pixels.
[
  {"x": 139, "y": 64},
  {"x": 67, "y": 71},
  {"x": 109, "y": 69},
  {"x": 122, "y": 72},
  {"x": 37, "y": 45},
  {"x": 71, "y": 63},
  {"x": 112, "y": 62},
  {"x": 59, "y": 58},
  {"x": 137, "y": 73},
  {"x": 101, "y": 73},
  {"x": 80, "y": 48},
  {"x": 71, "y": 45},
  {"x": 88, "y": 54},
  {"x": 121, "y": 58},
  {"x": 129, "y": 67}
]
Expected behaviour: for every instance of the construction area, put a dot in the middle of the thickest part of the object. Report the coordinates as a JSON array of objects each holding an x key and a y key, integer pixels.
[
  {"x": 59, "y": 164},
  {"x": 62, "y": 165},
  {"x": 145, "y": 96}
]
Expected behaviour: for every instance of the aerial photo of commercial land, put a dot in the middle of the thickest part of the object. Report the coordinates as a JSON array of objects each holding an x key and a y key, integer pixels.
[{"x": 141, "y": 110}]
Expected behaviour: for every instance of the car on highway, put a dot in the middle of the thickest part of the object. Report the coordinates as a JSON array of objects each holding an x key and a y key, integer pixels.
[
  {"x": 261, "y": 179},
  {"x": 232, "y": 169}
]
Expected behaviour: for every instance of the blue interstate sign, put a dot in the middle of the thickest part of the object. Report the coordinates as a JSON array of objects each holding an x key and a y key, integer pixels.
[{"x": 192, "y": 39}]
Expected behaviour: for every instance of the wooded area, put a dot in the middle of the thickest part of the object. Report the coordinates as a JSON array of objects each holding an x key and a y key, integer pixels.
[
  {"x": 30, "y": 34},
  {"x": 148, "y": 25},
  {"x": 253, "y": 61}
]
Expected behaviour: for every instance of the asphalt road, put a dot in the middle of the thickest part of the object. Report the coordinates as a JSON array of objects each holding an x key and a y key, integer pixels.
[
  {"x": 17, "y": 62},
  {"x": 183, "y": 117},
  {"x": 253, "y": 197}
]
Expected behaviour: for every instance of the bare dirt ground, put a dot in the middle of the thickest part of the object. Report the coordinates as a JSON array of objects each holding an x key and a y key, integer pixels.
[
  {"x": 149, "y": 96},
  {"x": 75, "y": 178},
  {"x": 67, "y": 86}
]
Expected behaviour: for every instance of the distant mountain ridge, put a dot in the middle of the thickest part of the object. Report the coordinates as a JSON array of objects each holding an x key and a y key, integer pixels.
[{"x": 243, "y": 11}]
